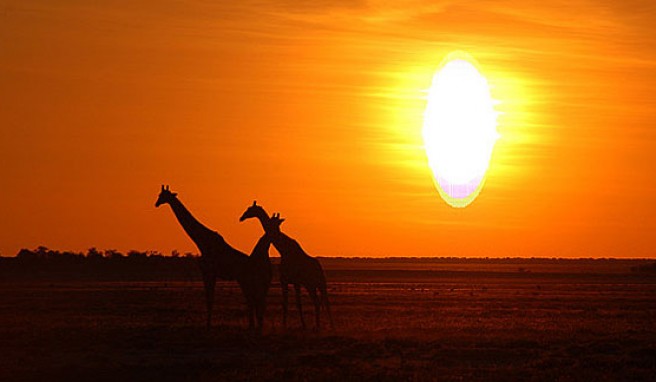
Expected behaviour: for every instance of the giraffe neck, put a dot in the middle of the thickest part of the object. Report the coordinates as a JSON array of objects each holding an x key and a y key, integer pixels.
[
  {"x": 288, "y": 248},
  {"x": 263, "y": 217},
  {"x": 261, "y": 250},
  {"x": 196, "y": 231}
]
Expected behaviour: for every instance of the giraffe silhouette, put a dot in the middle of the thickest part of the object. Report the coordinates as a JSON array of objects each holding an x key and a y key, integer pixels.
[
  {"x": 219, "y": 260},
  {"x": 296, "y": 266},
  {"x": 255, "y": 280}
]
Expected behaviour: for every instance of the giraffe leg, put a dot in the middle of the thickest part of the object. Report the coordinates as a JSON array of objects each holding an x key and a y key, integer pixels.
[
  {"x": 251, "y": 315},
  {"x": 297, "y": 288},
  {"x": 249, "y": 298},
  {"x": 317, "y": 307},
  {"x": 285, "y": 296},
  {"x": 259, "y": 312},
  {"x": 326, "y": 303}
]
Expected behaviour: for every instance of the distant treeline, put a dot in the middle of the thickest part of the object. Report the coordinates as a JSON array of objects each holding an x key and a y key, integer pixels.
[
  {"x": 96, "y": 265},
  {"x": 44, "y": 253},
  {"x": 44, "y": 264},
  {"x": 645, "y": 268},
  {"x": 481, "y": 260}
]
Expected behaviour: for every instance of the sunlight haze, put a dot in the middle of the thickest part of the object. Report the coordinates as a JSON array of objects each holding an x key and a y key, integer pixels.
[{"x": 316, "y": 111}]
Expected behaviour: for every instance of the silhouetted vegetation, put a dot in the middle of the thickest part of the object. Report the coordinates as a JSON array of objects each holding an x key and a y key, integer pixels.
[{"x": 46, "y": 264}]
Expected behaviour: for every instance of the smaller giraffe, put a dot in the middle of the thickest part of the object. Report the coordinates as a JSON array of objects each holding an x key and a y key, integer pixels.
[
  {"x": 296, "y": 266},
  {"x": 255, "y": 281}
]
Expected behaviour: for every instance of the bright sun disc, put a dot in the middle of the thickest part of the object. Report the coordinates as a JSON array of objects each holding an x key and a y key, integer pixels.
[{"x": 459, "y": 129}]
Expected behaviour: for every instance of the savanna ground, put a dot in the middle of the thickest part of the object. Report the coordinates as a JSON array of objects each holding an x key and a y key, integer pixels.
[{"x": 452, "y": 323}]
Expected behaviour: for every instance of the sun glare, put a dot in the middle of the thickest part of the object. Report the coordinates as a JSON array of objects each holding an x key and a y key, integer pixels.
[{"x": 459, "y": 129}]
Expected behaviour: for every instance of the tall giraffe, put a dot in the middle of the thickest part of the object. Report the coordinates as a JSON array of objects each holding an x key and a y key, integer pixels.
[
  {"x": 296, "y": 266},
  {"x": 219, "y": 259}
]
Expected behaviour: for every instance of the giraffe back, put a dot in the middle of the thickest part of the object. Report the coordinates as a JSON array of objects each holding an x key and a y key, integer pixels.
[{"x": 224, "y": 259}]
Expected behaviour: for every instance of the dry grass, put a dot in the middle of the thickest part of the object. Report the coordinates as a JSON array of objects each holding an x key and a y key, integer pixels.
[{"x": 533, "y": 328}]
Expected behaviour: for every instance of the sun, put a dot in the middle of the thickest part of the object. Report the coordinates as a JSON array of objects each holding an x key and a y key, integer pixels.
[{"x": 459, "y": 129}]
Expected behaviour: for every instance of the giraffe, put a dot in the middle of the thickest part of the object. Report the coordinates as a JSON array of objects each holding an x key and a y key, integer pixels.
[
  {"x": 256, "y": 280},
  {"x": 296, "y": 266},
  {"x": 219, "y": 259}
]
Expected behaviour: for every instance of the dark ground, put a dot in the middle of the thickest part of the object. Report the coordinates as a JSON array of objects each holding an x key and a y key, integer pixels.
[{"x": 454, "y": 324}]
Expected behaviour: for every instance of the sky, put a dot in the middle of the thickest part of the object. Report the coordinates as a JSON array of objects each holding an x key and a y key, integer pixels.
[{"x": 315, "y": 110}]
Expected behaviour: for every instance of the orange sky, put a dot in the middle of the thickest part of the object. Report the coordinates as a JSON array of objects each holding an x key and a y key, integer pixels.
[{"x": 316, "y": 112}]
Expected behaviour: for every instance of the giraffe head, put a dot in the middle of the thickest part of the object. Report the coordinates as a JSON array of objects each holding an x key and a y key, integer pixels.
[
  {"x": 253, "y": 211},
  {"x": 165, "y": 196},
  {"x": 274, "y": 224},
  {"x": 270, "y": 224}
]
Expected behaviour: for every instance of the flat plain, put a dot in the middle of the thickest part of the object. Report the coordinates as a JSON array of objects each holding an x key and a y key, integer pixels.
[{"x": 452, "y": 321}]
